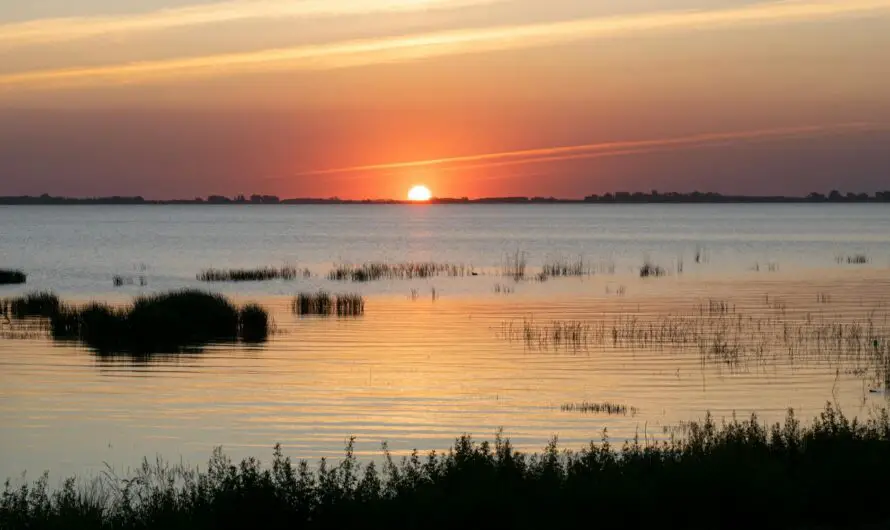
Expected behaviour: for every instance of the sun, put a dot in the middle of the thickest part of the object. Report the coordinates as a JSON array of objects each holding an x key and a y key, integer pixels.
[{"x": 420, "y": 194}]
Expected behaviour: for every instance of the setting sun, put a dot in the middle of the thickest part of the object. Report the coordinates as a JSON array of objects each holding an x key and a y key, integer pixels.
[{"x": 419, "y": 193}]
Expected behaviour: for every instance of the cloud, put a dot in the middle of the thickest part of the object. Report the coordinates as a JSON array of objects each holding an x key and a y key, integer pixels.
[
  {"x": 47, "y": 31},
  {"x": 403, "y": 48},
  {"x": 603, "y": 149}
]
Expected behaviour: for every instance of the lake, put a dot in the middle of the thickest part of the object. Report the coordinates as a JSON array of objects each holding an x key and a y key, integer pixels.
[{"x": 760, "y": 308}]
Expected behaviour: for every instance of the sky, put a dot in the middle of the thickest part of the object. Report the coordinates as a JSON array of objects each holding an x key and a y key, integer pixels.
[{"x": 365, "y": 98}]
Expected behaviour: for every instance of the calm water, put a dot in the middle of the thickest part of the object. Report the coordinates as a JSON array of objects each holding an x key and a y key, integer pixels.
[{"x": 418, "y": 372}]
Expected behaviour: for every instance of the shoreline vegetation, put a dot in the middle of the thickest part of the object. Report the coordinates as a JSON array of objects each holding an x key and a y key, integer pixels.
[
  {"x": 830, "y": 473},
  {"x": 619, "y": 197},
  {"x": 173, "y": 322}
]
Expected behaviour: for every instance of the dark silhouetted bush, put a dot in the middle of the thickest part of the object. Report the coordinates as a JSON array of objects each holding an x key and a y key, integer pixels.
[
  {"x": 254, "y": 323},
  {"x": 10, "y": 277},
  {"x": 36, "y": 304},
  {"x": 162, "y": 323},
  {"x": 831, "y": 474}
]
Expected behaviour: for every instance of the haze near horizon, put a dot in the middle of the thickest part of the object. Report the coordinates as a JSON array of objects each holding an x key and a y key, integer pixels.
[{"x": 365, "y": 99}]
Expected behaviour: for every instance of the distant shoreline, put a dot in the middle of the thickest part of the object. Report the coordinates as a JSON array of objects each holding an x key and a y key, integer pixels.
[{"x": 609, "y": 198}]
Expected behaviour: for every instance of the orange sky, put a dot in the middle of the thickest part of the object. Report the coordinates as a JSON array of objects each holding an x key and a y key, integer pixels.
[{"x": 175, "y": 98}]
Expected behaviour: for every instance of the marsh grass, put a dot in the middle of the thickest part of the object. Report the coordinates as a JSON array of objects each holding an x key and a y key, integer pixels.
[
  {"x": 162, "y": 323},
  {"x": 830, "y": 473},
  {"x": 375, "y": 271},
  {"x": 565, "y": 267},
  {"x": 12, "y": 277},
  {"x": 503, "y": 289},
  {"x": 650, "y": 270},
  {"x": 324, "y": 304},
  {"x": 587, "y": 407},
  {"x": 31, "y": 305},
  {"x": 514, "y": 266},
  {"x": 252, "y": 275},
  {"x": 722, "y": 334}
]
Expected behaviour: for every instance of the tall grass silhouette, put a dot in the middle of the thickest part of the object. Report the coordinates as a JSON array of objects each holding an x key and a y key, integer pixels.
[
  {"x": 375, "y": 271},
  {"x": 828, "y": 474},
  {"x": 251, "y": 275},
  {"x": 323, "y": 303}
]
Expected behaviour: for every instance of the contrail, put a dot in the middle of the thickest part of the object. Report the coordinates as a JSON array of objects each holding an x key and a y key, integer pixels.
[
  {"x": 45, "y": 31},
  {"x": 436, "y": 44},
  {"x": 596, "y": 150}
]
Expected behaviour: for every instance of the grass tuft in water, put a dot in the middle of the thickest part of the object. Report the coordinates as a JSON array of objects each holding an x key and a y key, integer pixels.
[
  {"x": 514, "y": 266},
  {"x": 612, "y": 409},
  {"x": 251, "y": 275},
  {"x": 12, "y": 277},
  {"x": 163, "y": 323},
  {"x": 650, "y": 270},
  {"x": 323, "y": 303},
  {"x": 375, "y": 271},
  {"x": 36, "y": 304},
  {"x": 560, "y": 267}
]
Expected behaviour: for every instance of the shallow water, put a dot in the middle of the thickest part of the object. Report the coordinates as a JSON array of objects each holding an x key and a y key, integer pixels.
[{"x": 418, "y": 372}]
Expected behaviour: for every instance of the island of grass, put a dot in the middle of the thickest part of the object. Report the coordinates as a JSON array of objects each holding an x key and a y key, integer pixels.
[
  {"x": 163, "y": 323},
  {"x": 251, "y": 275},
  {"x": 829, "y": 474},
  {"x": 324, "y": 304},
  {"x": 375, "y": 271},
  {"x": 12, "y": 277}
]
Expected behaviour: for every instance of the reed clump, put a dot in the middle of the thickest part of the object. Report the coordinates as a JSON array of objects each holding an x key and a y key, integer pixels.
[
  {"x": 250, "y": 275},
  {"x": 830, "y": 473},
  {"x": 324, "y": 304},
  {"x": 514, "y": 266},
  {"x": 650, "y": 270},
  {"x": 564, "y": 267},
  {"x": 12, "y": 277},
  {"x": 163, "y": 323},
  {"x": 31, "y": 305},
  {"x": 587, "y": 407},
  {"x": 376, "y": 271}
]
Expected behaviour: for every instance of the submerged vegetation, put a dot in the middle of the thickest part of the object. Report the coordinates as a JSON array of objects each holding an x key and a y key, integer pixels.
[
  {"x": 162, "y": 323},
  {"x": 830, "y": 474},
  {"x": 375, "y": 271},
  {"x": 12, "y": 277},
  {"x": 252, "y": 275},
  {"x": 324, "y": 304}
]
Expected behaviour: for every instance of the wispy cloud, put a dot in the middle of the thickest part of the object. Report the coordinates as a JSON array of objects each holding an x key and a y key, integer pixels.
[
  {"x": 45, "y": 31},
  {"x": 402, "y": 48},
  {"x": 602, "y": 149}
]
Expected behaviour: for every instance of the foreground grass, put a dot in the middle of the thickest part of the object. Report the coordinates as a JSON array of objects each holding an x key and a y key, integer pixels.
[{"x": 831, "y": 474}]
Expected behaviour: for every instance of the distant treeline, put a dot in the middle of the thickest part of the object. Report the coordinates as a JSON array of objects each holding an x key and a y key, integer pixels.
[{"x": 620, "y": 197}]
